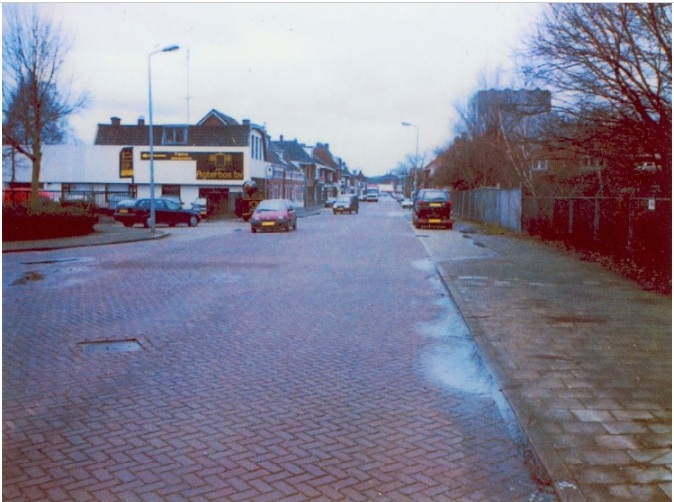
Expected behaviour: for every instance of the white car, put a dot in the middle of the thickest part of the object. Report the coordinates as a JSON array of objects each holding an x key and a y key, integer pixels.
[{"x": 406, "y": 203}]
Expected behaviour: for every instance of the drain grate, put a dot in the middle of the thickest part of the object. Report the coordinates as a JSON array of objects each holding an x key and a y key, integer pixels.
[{"x": 111, "y": 346}]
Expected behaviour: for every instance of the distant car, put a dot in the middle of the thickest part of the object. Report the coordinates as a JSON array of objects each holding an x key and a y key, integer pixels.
[
  {"x": 274, "y": 214},
  {"x": 201, "y": 206},
  {"x": 346, "y": 203},
  {"x": 167, "y": 212},
  {"x": 432, "y": 207},
  {"x": 330, "y": 201},
  {"x": 406, "y": 203}
]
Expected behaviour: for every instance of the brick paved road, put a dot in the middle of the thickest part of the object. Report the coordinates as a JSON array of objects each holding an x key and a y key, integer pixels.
[{"x": 317, "y": 364}]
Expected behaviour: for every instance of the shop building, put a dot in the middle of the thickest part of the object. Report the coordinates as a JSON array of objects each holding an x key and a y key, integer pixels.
[{"x": 211, "y": 159}]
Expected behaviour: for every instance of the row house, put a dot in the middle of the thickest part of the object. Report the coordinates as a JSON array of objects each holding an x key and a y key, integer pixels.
[{"x": 211, "y": 159}]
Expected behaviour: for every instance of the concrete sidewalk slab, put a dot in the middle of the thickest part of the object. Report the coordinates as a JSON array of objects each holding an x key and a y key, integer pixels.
[{"x": 582, "y": 355}]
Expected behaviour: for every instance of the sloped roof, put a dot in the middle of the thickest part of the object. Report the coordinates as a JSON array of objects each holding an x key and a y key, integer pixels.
[
  {"x": 214, "y": 116},
  {"x": 128, "y": 135},
  {"x": 275, "y": 156},
  {"x": 293, "y": 151},
  {"x": 323, "y": 156},
  {"x": 215, "y": 129}
]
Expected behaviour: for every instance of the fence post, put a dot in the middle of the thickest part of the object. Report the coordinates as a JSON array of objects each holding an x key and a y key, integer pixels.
[
  {"x": 595, "y": 234},
  {"x": 630, "y": 227}
]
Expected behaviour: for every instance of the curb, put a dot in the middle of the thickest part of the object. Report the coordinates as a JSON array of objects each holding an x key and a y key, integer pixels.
[{"x": 546, "y": 467}]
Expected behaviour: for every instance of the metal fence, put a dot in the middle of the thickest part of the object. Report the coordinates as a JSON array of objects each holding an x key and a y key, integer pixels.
[
  {"x": 495, "y": 206},
  {"x": 634, "y": 228},
  {"x": 636, "y": 231}
]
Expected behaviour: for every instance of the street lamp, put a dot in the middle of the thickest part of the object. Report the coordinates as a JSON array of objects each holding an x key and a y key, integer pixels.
[
  {"x": 170, "y": 48},
  {"x": 416, "y": 156}
]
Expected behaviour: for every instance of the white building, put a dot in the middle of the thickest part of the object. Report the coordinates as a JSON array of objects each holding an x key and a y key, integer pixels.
[{"x": 211, "y": 159}]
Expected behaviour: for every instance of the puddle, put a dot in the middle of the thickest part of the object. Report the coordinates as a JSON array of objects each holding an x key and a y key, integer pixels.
[{"x": 458, "y": 366}]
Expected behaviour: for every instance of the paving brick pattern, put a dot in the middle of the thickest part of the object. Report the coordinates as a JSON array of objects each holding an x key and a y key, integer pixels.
[
  {"x": 583, "y": 356},
  {"x": 273, "y": 367}
]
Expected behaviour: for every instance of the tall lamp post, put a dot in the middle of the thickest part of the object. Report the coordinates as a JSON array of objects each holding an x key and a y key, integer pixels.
[
  {"x": 416, "y": 156},
  {"x": 170, "y": 48}
]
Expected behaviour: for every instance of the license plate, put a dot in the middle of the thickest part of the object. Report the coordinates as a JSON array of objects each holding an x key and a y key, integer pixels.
[
  {"x": 435, "y": 220},
  {"x": 123, "y": 211},
  {"x": 435, "y": 204},
  {"x": 268, "y": 223}
]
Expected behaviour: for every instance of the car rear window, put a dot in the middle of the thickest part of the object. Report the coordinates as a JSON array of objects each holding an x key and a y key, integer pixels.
[{"x": 438, "y": 195}]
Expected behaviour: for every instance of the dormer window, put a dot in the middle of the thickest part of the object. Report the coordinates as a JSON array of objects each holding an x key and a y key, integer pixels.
[{"x": 174, "y": 135}]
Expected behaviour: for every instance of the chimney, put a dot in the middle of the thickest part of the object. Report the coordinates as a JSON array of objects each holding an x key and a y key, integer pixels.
[
  {"x": 141, "y": 121},
  {"x": 246, "y": 122},
  {"x": 115, "y": 121}
]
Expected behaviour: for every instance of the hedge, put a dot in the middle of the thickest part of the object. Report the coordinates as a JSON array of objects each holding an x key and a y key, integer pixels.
[{"x": 47, "y": 220}]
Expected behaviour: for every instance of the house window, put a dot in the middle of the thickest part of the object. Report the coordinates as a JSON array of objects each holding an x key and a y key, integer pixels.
[{"x": 174, "y": 136}]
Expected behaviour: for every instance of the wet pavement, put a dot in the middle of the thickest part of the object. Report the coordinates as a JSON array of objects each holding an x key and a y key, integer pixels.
[
  {"x": 217, "y": 364},
  {"x": 582, "y": 357}
]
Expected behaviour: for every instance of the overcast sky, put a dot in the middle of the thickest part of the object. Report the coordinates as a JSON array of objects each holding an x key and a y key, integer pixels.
[{"x": 346, "y": 74}]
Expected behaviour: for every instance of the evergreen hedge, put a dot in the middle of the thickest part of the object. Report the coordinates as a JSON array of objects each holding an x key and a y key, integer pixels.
[{"x": 47, "y": 220}]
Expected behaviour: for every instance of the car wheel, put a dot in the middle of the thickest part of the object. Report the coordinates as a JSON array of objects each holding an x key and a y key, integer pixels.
[
  {"x": 127, "y": 224},
  {"x": 193, "y": 221},
  {"x": 253, "y": 229}
]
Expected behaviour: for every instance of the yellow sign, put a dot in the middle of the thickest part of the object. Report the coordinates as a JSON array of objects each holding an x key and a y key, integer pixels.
[{"x": 126, "y": 162}]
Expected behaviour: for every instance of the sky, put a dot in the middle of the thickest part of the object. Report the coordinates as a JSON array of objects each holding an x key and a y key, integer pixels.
[{"x": 346, "y": 74}]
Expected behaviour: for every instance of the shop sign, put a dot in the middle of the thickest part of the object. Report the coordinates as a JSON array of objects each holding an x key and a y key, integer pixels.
[
  {"x": 218, "y": 166},
  {"x": 126, "y": 162}
]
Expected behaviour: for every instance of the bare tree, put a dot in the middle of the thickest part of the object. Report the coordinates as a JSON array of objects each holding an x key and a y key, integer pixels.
[
  {"x": 36, "y": 99},
  {"x": 610, "y": 63}
]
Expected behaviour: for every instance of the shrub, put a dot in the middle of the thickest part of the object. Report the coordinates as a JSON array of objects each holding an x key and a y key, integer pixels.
[{"x": 47, "y": 220}]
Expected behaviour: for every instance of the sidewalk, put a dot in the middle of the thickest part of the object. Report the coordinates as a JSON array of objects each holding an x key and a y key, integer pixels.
[{"x": 583, "y": 356}]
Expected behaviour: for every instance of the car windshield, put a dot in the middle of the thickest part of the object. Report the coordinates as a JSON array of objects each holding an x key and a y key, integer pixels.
[
  {"x": 272, "y": 205},
  {"x": 344, "y": 198}
]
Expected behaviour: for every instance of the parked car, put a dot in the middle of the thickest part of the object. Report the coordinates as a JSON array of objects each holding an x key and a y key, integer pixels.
[
  {"x": 330, "y": 201},
  {"x": 274, "y": 214},
  {"x": 406, "y": 203},
  {"x": 174, "y": 198},
  {"x": 345, "y": 203},
  {"x": 432, "y": 207},
  {"x": 201, "y": 206},
  {"x": 115, "y": 200},
  {"x": 167, "y": 212}
]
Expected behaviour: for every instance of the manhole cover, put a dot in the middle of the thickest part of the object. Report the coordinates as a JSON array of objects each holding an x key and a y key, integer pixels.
[{"x": 110, "y": 346}]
